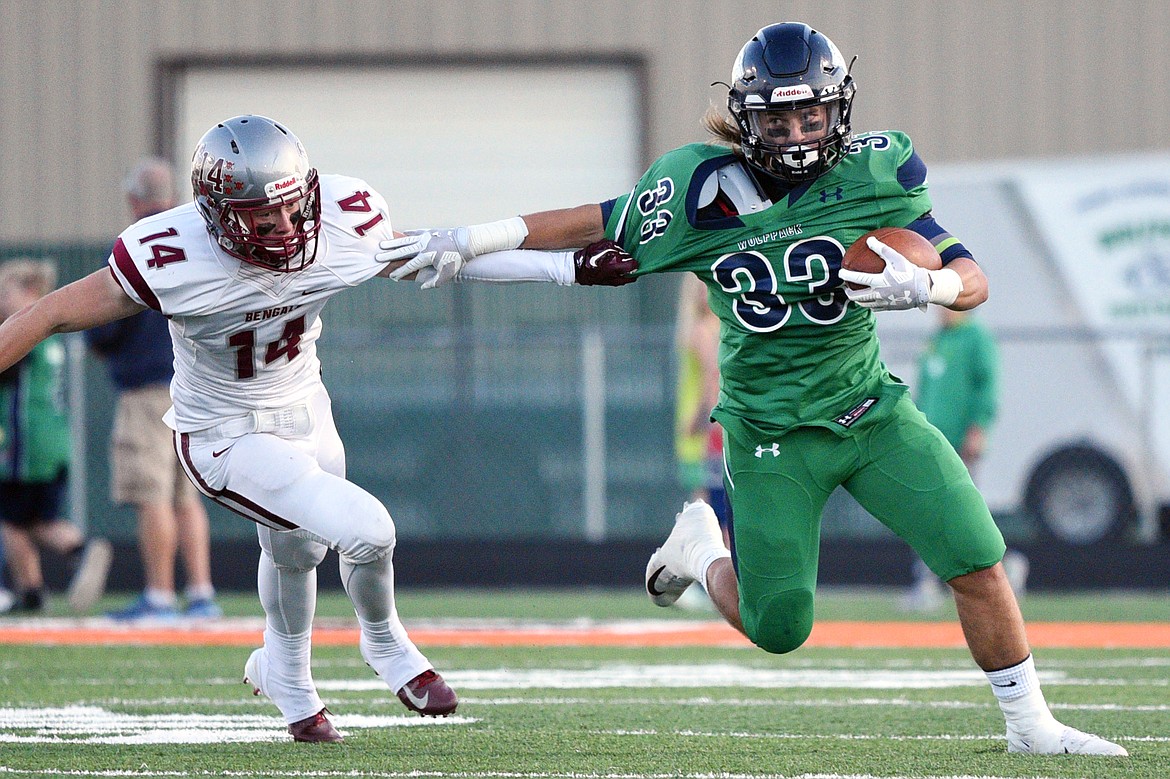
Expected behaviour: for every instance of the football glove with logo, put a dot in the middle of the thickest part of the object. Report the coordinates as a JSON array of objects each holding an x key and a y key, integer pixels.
[
  {"x": 604, "y": 263},
  {"x": 900, "y": 286}
]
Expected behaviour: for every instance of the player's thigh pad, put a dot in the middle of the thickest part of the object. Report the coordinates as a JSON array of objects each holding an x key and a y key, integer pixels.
[
  {"x": 279, "y": 483},
  {"x": 912, "y": 480},
  {"x": 778, "y": 489}
]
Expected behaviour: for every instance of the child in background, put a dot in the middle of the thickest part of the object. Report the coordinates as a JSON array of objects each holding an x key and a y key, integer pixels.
[{"x": 35, "y": 453}]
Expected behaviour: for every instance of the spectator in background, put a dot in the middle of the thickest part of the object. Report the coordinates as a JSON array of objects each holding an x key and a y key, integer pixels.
[
  {"x": 146, "y": 472},
  {"x": 958, "y": 391},
  {"x": 34, "y": 460},
  {"x": 7, "y": 597},
  {"x": 698, "y": 441}
]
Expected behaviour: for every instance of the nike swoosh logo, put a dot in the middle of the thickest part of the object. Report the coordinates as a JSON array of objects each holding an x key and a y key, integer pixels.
[
  {"x": 221, "y": 451},
  {"x": 419, "y": 701},
  {"x": 653, "y": 578},
  {"x": 1009, "y": 684}
]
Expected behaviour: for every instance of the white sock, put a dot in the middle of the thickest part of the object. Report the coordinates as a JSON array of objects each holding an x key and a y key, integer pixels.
[
  {"x": 699, "y": 557},
  {"x": 159, "y": 598},
  {"x": 289, "y": 682},
  {"x": 705, "y": 562},
  {"x": 200, "y": 592},
  {"x": 1015, "y": 681},
  {"x": 1020, "y": 699},
  {"x": 384, "y": 643}
]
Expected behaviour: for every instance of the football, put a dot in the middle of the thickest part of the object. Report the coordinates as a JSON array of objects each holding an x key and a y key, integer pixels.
[{"x": 908, "y": 243}]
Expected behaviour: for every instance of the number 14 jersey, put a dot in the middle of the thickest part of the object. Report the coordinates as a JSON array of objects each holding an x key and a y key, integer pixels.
[{"x": 245, "y": 338}]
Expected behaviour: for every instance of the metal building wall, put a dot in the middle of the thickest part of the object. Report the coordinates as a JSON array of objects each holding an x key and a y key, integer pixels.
[{"x": 970, "y": 81}]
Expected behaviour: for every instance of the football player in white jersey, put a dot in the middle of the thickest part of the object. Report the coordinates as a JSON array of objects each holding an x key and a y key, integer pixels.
[{"x": 243, "y": 273}]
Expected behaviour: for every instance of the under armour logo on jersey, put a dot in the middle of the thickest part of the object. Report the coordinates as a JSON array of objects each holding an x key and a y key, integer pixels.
[
  {"x": 839, "y": 194},
  {"x": 857, "y": 412},
  {"x": 772, "y": 449}
]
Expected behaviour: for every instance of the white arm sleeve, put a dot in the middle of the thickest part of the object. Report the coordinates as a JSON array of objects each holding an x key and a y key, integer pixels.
[{"x": 518, "y": 265}]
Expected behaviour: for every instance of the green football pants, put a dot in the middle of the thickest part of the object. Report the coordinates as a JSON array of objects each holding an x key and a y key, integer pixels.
[{"x": 897, "y": 466}]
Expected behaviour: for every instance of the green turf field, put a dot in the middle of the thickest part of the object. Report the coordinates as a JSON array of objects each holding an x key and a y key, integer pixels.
[{"x": 626, "y": 713}]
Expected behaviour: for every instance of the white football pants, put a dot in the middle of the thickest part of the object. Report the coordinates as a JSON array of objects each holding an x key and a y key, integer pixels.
[{"x": 293, "y": 486}]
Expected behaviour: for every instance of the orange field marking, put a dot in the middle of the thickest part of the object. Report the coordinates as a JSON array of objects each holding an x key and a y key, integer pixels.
[{"x": 1094, "y": 635}]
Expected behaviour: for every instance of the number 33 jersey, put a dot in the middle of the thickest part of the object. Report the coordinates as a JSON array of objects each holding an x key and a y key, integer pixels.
[
  {"x": 793, "y": 350},
  {"x": 245, "y": 338}
]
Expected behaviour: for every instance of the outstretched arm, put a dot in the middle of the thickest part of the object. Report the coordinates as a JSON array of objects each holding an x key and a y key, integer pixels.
[
  {"x": 447, "y": 249},
  {"x": 91, "y": 301},
  {"x": 565, "y": 228}
]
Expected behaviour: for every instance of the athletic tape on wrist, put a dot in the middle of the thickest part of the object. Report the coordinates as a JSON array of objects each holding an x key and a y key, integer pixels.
[
  {"x": 497, "y": 236},
  {"x": 945, "y": 286}
]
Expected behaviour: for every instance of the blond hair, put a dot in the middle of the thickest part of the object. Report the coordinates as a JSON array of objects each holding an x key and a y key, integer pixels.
[
  {"x": 722, "y": 128},
  {"x": 39, "y": 276}
]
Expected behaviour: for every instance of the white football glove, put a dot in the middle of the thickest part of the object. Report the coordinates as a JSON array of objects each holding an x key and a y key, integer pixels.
[
  {"x": 443, "y": 249},
  {"x": 900, "y": 286}
]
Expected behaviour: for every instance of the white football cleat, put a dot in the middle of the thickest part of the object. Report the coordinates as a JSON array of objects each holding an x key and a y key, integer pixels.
[
  {"x": 1058, "y": 739},
  {"x": 673, "y": 566}
]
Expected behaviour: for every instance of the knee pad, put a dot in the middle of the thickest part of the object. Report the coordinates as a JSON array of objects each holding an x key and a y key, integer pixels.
[
  {"x": 782, "y": 621},
  {"x": 370, "y": 533},
  {"x": 292, "y": 550}
]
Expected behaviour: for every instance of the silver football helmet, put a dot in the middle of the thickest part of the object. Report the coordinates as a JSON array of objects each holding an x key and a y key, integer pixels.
[{"x": 244, "y": 169}]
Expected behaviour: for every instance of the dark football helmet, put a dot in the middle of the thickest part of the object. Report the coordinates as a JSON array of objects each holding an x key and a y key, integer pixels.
[
  {"x": 250, "y": 164},
  {"x": 791, "y": 67}
]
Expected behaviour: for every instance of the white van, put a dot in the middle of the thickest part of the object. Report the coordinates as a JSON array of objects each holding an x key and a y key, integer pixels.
[{"x": 1078, "y": 255}]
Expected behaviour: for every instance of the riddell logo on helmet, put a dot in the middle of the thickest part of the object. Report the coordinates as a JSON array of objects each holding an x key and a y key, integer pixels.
[
  {"x": 792, "y": 93},
  {"x": 276, "y": 187}
]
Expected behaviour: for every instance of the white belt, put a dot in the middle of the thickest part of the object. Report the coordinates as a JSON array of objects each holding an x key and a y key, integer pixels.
[{"x": 288, "y": 421}]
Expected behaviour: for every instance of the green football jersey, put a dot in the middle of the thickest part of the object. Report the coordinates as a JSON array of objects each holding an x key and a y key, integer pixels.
[
  {"x": 793, "y": 350},
  {"x": 34, "y": 428}
]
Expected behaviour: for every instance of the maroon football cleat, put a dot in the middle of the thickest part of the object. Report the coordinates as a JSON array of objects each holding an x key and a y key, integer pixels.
[
  {"x": 428, "y": 694},
  {"x": 316, "y": 729}
]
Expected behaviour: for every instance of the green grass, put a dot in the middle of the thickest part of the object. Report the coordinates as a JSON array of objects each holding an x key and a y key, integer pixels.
[{"x": 816, "y": 712}]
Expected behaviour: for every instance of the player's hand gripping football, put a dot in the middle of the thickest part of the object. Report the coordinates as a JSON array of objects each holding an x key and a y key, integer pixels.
[
  {"x": 443, "y": 249},
  {"x": 604, "y": 263},
  {"x": 900, "y": 286}
]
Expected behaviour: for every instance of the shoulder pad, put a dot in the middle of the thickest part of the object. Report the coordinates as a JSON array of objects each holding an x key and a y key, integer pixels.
[
  {"x": 737, "y": 185},
  {"x": 354, "y": 206}
]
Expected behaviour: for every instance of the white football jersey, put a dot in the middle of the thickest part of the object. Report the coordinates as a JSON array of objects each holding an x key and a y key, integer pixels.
[{"x": 244, "y": 338}]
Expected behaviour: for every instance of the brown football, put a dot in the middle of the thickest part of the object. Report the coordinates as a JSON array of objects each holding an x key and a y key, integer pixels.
[{"x": 908, "y": 243}]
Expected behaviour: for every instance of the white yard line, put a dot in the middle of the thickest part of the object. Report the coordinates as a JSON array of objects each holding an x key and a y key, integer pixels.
[{"x": 145, "y": 774}]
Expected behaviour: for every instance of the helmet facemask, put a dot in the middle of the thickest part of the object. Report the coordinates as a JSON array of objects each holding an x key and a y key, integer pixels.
[
  {"x": 242, "y": 227},
  {"x": 821, "y": 143}
]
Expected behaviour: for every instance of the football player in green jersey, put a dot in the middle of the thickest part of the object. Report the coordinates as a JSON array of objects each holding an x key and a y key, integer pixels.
[{"x": 805, "y": 402}]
